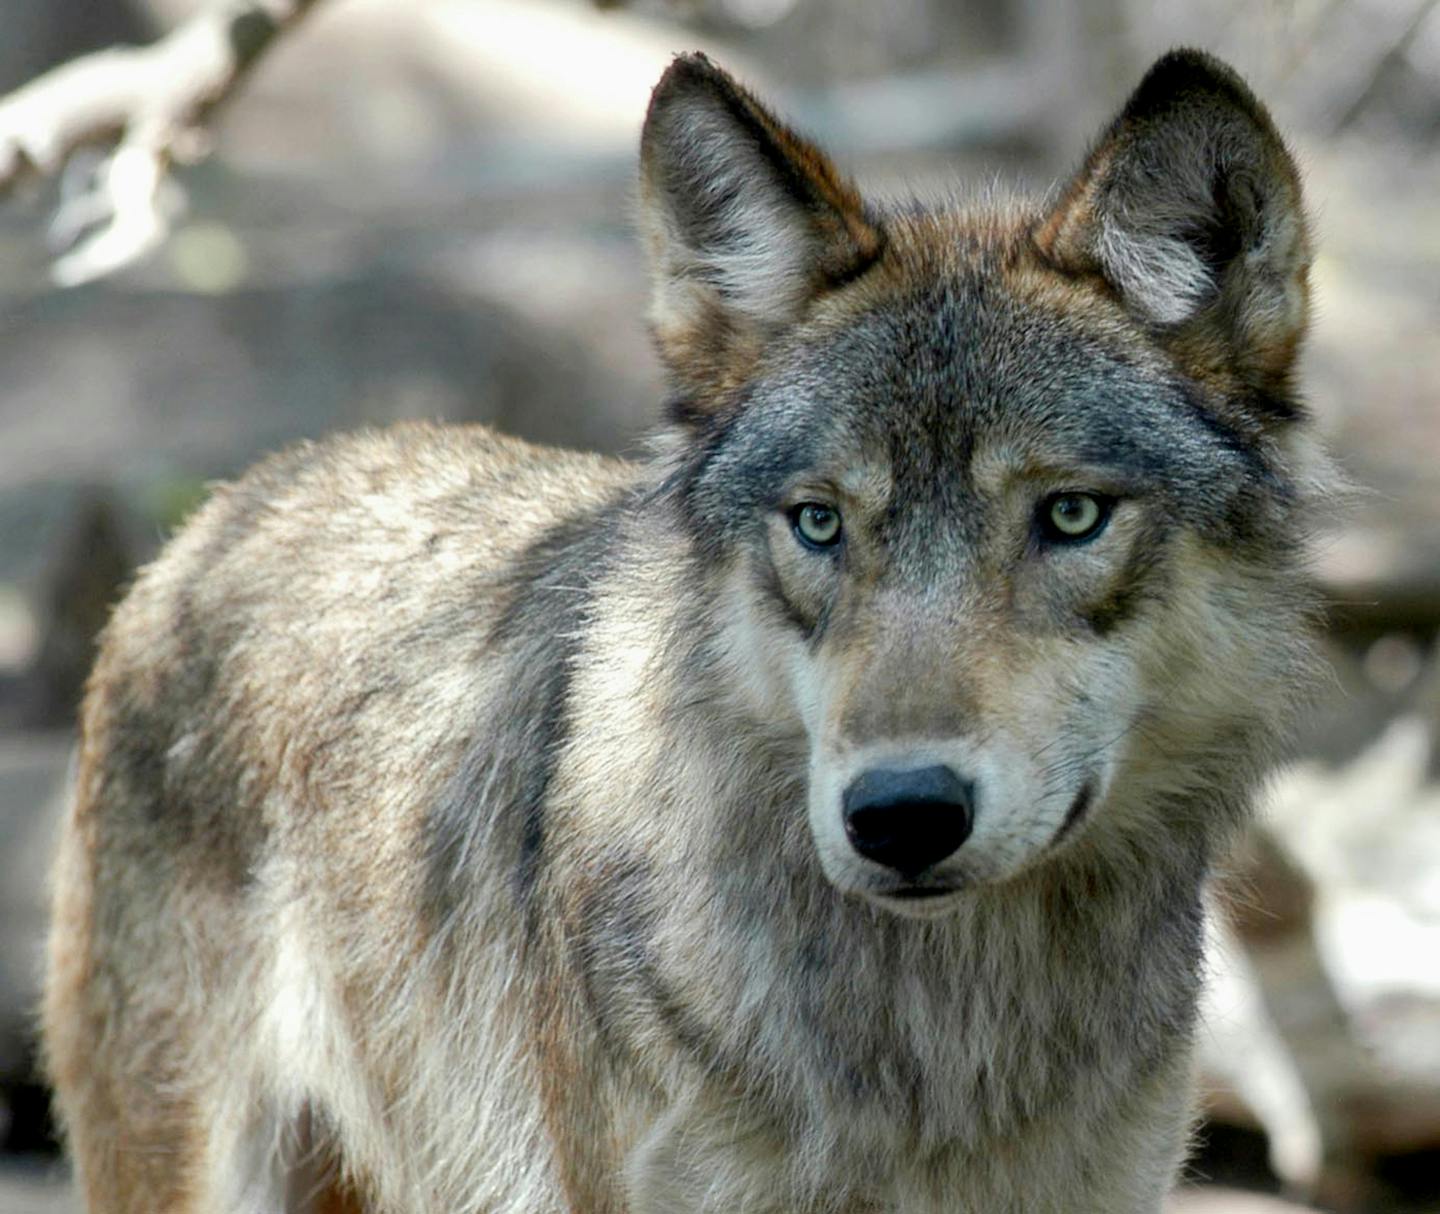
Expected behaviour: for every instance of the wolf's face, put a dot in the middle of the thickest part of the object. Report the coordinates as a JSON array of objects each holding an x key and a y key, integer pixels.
[{"x": 1005, "y": 501}]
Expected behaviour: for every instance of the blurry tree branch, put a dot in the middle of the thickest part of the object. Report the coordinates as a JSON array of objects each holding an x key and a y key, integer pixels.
[{"x": 151, "y": 102}]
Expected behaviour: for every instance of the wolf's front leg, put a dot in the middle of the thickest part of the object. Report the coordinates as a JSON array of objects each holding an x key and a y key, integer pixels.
[
  {"x": 680, "y": 1166},
  {"x": 705, "y": 1156},
  {"x": 1087, "y": 1158}
]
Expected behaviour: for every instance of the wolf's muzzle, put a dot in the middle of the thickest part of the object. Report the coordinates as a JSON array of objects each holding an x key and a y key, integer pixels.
[{"x": 908, "y": 820}]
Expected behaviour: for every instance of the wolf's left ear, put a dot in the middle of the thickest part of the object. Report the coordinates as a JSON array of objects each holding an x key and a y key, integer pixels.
[
  {"x": 747, "y": 223},
  {"x": 1189, "y": 206}
]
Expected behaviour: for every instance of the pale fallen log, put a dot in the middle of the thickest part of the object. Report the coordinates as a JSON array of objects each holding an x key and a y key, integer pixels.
[{"x": 1324, "y": 1019}]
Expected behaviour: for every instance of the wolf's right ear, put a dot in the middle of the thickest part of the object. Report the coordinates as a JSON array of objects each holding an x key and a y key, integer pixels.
[
  {"x": 747, "y": 223},
  {"x": 1189, "y": 208}
]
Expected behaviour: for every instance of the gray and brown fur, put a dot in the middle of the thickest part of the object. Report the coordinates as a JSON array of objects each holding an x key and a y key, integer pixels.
[{"x": 456, "y": 821}]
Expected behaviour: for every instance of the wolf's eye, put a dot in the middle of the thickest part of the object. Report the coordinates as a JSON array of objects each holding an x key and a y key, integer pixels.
[
  {"x": 817, "y": 526},
  {"x": 1067, "y": 518}
]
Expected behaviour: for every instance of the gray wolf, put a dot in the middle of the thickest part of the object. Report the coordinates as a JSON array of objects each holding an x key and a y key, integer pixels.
[{"x": 812, "y": 816}]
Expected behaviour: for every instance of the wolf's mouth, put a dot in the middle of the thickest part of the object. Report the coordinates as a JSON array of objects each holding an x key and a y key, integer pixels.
[
  {"x": 1077, "y": 811},
  {"x": 911, "y": 893}
]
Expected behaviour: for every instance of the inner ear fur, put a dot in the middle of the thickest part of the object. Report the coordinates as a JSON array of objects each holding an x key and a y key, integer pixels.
[
  {"x": 1189, "y": 207},
  {"x": 747, "y": 223}
]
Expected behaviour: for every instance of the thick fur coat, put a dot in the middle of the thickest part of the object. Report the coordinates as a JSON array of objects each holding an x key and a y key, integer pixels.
[{"x": 466, "y": 826}]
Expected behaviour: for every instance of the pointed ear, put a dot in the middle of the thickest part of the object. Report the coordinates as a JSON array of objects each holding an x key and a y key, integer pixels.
[
  {"x": 747, "y": 224},
  {"x": 1189, "y": 207}
]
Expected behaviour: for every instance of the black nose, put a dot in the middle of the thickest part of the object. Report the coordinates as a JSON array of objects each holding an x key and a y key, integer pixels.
[{"x": 908, "y": 820}]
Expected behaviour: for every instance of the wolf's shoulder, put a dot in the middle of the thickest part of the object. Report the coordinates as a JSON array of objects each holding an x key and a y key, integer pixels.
[{"x": 360, "y": 540}]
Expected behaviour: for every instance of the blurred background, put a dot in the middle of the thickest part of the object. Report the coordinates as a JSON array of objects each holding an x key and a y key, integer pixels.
[{"x": 423, "y": 209}]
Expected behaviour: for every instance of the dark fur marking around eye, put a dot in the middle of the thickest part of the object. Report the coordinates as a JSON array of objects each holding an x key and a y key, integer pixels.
[
  {"x": 802, "y": 621},
  {"x": 811, "y": 626},
  {"x": 1136, "y": 582}
]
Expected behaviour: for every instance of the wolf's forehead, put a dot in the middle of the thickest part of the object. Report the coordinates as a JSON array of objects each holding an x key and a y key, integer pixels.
[
  {"x": 940, "y": 394},
  {"x": 961, "y": 377}
]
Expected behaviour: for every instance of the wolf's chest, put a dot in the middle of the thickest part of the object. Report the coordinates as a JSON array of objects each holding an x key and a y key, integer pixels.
[
  {"x": 857, "y": 1077},
  {"x": 893, "y": 1035}
]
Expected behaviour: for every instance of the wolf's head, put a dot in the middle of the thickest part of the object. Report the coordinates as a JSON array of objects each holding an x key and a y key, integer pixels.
[{"x": 1007, "y": 500}]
